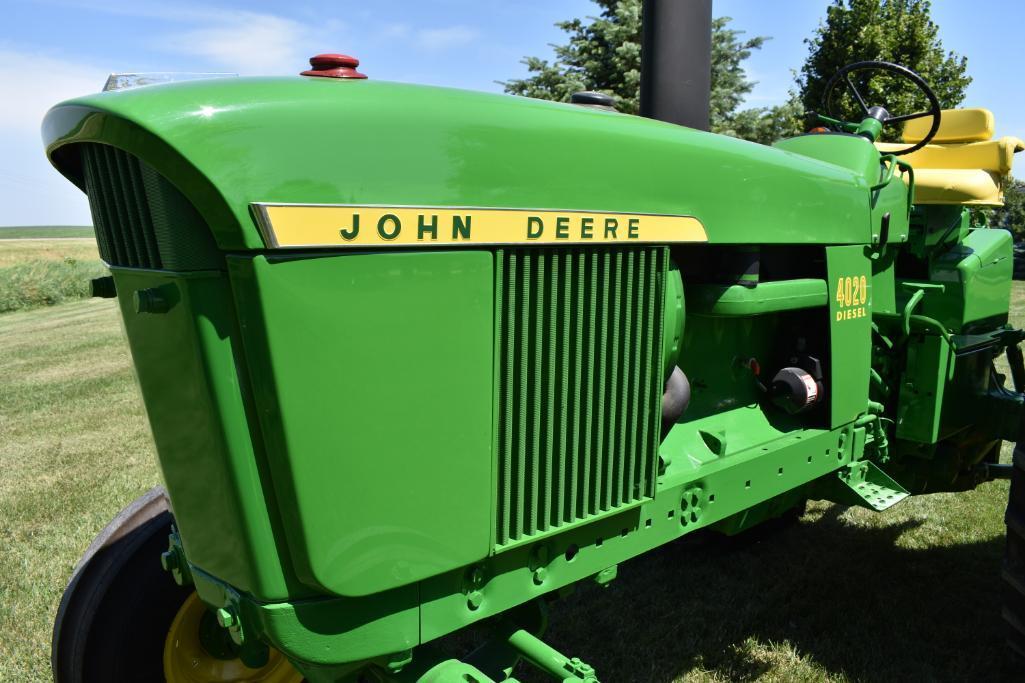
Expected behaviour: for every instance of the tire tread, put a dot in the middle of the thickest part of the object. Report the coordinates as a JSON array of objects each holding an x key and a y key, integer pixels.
[{"x": 1013, "y": 570}]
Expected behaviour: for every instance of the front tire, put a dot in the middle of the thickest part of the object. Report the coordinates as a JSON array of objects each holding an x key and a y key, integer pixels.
[
  {"x": 1013, "y": 572},
  {"x": 123, "y": 619},
  {"x": 115, "y": 613}
]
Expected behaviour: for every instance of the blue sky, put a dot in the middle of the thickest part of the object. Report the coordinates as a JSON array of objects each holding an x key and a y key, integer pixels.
[{"x": 55, "y": 49}]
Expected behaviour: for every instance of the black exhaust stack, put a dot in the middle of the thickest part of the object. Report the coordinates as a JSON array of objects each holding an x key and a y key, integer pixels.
[{"x": 676, "y": 61}]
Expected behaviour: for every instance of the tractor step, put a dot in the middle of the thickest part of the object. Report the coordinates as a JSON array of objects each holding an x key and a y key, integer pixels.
[
  {"x": 874, "y": 488},
  {"x": 863, "y": 483}
]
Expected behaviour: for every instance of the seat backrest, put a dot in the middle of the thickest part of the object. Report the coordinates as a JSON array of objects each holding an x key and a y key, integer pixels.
[
  {"x": 962, "y": 165},
  {"x": 956, "y": 126}
]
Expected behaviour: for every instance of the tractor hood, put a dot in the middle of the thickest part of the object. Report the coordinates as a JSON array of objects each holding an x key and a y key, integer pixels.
[{"x": 228, "y": 144}]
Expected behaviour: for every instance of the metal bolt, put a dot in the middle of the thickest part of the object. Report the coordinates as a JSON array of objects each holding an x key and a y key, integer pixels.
[
  {"x": 606, "y": 575},
  {"x": 477, "y": 577},
  {"x": 226, "y": 618},
  {"x": 582, "y": 667},
  {"x": 474, "y": 599},
  {"x": 399, "y": 660},
  {"x": 539, "y": 575}
]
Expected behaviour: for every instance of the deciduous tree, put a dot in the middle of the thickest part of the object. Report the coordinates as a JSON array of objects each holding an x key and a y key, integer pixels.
[
  {"x": 898, "y": 31},
  {"x": 1011, "y": 216},
  {"x": 604, "y": 53}
]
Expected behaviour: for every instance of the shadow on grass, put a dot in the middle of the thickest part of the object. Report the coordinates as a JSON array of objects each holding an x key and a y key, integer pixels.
[{"x": 846, "y": 598}]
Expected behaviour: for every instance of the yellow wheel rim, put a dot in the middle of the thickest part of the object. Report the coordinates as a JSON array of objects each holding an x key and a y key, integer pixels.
[{"x": 187, "y": 661}]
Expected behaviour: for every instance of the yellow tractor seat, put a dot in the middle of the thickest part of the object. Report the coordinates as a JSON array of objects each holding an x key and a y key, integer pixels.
[{"x": 963, "y": 165}]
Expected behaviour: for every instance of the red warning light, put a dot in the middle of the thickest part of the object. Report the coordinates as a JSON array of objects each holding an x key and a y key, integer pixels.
[{"x": 332, "y": 65}]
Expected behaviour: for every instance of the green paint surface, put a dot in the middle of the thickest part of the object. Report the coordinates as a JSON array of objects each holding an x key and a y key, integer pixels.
[
  {"x": 320, "y": 140},
  {"x": 922, "y": 389},
  {"x": 373, "y": 386},
  {"x": 370, "y": 450},
  {"x": 976, "y": 275},
  {"x": 195, "y": 401},
  {"x": 850, "y": 325}
]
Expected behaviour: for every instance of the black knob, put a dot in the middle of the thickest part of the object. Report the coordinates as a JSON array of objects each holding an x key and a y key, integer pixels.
[
  {"x": 795, "y": 390},
  {"x": 590, "y": 98},
  {"x": 103, "y": 287}
]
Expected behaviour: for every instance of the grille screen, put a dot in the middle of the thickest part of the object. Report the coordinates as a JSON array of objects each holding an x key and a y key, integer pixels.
[
  {"x": 141, "y": 220},
  {"x": 579, "y": 381}
]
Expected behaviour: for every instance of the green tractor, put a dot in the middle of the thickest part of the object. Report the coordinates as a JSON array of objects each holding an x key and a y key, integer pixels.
[{"x": 418, "y": 360}]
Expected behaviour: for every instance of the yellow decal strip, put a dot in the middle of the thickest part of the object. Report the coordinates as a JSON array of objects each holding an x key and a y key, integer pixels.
[
  {"x": 323, "y": 225},
  {"x": 852, "y": 293}
]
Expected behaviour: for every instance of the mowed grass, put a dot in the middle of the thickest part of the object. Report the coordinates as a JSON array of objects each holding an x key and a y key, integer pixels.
[
  {"x": 45, "y": 231},
  {"x": 41, "y": 272},
  {"x": 912, "y": 594},
  {"x": 74, "y": 449}
]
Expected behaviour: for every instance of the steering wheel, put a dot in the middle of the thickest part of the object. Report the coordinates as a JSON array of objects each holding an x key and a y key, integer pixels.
[{"x": 843, "y": 76}]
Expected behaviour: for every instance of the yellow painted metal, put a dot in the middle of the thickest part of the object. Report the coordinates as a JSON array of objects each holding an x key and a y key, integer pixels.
[
  {"x": 308, "y": 225},
  {"x": 956, "y": 125},
  {"x": 996, "y": 156},
  {"x": 186, "y": 661},
  {"x": 957, "y": 187},
  {"x": 963, "y": 166}
]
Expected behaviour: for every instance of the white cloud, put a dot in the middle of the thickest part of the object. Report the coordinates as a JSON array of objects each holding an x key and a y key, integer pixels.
[
  {"x": 181, "y": 12},
  {"x": 245, "y": 42},
  {"x": 445, "y": 38},
  {"x": 31, "y": 191},
  {"x": 391, "y": 31},
  {"x": 242, "y": 41},
  {"x": 31, "y": 83}
]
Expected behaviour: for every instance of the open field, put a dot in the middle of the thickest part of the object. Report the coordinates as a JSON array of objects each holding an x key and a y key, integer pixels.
[
  {"x": 844, "y": 595},
  {"x": 40, "y": 272},
  {"x": 45, "y": 232},
  {"x": 18, "y": 251}
]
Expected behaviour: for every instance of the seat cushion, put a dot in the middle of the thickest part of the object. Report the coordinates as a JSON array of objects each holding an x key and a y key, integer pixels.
[
  {"x": 995, "y": 156},
  {"x": 962, "y": 165},
  {"x": 956, "y": 125},
  {"x": 957, "y": 186}
]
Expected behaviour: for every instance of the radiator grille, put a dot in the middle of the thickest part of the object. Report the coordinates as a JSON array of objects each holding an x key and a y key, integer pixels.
[
  {"x": 141, "y": 220},
  {"x": 579, "y": 379},
  {"x": 121, "y": 218}
]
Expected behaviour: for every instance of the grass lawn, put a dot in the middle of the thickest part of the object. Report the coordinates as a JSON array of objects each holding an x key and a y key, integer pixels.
[
  {"x": 74, "y": 448},
  {"x": 844, "y": 595},
  {"x": 45, "y": 231}
]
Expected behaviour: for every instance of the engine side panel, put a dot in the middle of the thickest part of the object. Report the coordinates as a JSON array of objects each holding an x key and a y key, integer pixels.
[{"x": 382, "y": 458}]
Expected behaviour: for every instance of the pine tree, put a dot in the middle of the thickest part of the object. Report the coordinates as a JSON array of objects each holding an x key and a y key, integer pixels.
[{"x": 604, "y": 54}]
